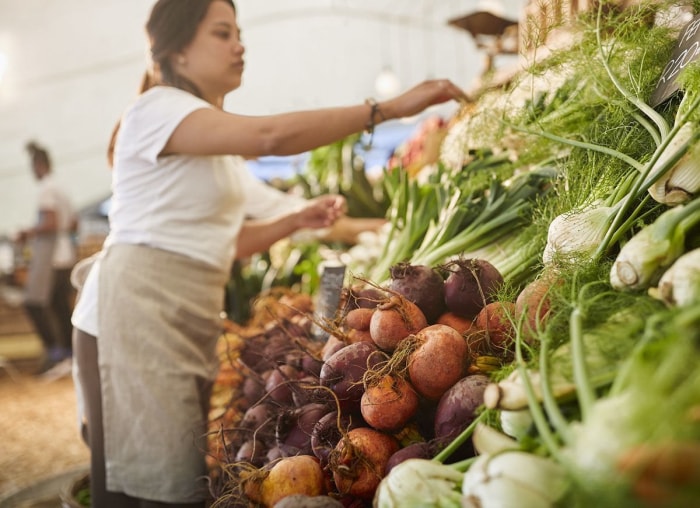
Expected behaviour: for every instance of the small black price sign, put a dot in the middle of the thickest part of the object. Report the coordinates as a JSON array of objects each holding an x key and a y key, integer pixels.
[
  {"x": 687, "y": 50},
  {"x": 329, "y": 293}
]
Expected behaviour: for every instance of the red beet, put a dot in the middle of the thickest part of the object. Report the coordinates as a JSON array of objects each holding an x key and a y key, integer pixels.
[
  {"x": 422, "y": 285},
  {"x": 471, "y": 285}
]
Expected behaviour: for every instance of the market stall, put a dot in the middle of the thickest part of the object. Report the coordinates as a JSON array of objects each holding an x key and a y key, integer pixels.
[{"x": 525, "y": 328}]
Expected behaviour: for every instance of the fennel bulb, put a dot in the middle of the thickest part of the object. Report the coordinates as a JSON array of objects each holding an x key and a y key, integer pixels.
[
  {"x": 419, "y": 483},
  {"x": 577, "y": 233},
  {"x": 643, "y": 259},
  {"x": 680, "y": 182},
  {"x": 514, "y": 478},
  {"x": 680, "y": 284}
]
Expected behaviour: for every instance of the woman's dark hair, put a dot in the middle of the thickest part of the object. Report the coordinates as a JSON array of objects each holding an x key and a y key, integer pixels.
[
  {"x": 38, "y": 154},
  {"x": 170, "y": 27}
]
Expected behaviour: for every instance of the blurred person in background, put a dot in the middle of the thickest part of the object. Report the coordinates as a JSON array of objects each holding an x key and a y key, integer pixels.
[
  {"x": 49, "y": 294},
  {"x": 149, "y": 315}
]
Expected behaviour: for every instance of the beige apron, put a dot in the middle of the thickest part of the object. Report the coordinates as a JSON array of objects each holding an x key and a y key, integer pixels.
[
  {"x": 39, "y": 285},
  {"x": 159, "y": 321}
]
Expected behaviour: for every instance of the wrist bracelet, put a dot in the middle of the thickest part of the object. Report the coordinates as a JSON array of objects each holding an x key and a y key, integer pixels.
[{"x": 374, "y": 111}]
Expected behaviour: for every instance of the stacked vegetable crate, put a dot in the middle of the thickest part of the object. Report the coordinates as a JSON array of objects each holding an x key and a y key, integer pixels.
[{"x": 582, "y": 197}]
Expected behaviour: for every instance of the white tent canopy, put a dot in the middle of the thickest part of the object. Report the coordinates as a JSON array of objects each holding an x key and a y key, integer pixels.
[{"x": 72, "y": 66}]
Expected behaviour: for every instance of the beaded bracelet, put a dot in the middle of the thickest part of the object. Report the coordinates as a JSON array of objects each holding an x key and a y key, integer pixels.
[{"x": 374, "y": 110}]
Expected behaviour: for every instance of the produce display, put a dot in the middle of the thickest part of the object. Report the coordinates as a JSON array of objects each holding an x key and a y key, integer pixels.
[{"x": 524, "y": 332}]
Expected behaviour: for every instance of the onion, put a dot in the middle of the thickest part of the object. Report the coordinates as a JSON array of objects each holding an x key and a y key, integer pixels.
[
  {"x": 394, "y": 320},
  {"x": 359, "y": 461},
  {"x": 440, "y": 360},
  {"x": 422, "y": 285},
  {"x": 389, "y": 403},
  {"x": 471, "y": 285}
]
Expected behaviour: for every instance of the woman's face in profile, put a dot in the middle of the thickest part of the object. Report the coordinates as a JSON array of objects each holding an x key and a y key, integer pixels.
[{"x": 214, "y": 59}]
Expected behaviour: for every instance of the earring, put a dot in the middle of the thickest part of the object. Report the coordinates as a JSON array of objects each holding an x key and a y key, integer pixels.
[{"x": 181, "y": 60}]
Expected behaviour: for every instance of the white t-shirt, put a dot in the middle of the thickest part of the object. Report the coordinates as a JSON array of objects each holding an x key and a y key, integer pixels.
[
  {"x": 192, "y": 205},
  {"x": 52, "y": 197}
]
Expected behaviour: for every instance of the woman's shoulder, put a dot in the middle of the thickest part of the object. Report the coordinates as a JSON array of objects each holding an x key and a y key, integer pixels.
[
  {"x": 169, "y": 96},
  {"x": 159, "y": 106}
]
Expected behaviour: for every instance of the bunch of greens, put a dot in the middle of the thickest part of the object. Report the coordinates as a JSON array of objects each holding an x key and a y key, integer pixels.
[{"x": 452, "y": 214}]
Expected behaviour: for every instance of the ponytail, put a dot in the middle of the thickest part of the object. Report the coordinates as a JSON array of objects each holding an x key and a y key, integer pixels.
[
  {"x": 38, "y": 153},
  {"x": 149, "y": 80}
]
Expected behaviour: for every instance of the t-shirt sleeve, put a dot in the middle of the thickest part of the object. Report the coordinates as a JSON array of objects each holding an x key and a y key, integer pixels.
[
  {"x": 264, "y": 200},
  {"x": 47, "y": 198},
  {"x": 155, "y": 115}
]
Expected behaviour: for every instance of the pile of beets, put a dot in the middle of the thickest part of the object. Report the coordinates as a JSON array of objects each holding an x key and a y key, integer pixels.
[{"x": 400, "y": 374}]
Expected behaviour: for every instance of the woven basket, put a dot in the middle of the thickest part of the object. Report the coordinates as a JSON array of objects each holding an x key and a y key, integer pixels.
[{"x": 69, "y": 494}]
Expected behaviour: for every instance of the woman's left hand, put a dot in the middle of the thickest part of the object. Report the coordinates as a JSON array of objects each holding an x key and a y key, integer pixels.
[{"x": 321, "y": 212}]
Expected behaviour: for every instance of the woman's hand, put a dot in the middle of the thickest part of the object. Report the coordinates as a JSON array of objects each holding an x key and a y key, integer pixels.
[
  {"x": 257, "y": 235},
  {"x": 422, "y": 96},
  {"x": 321, "y": 212}
]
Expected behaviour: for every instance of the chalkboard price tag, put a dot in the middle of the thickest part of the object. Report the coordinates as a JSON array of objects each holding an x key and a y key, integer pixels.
[
  {"x": 329, "y": 293},
  {"x": 687, "y": 50}
]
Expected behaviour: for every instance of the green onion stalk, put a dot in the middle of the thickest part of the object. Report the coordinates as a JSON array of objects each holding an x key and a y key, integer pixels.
[
  {"x": 504, "y": 212},
  {"x": 430, "y": 222}
]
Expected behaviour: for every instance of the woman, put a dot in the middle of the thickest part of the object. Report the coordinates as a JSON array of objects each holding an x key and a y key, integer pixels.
[
  {"x": 49, "y": 295},
  {"x": 180, "y": 195}
]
